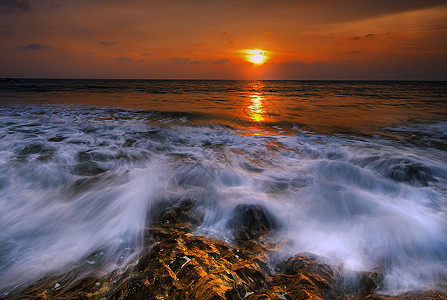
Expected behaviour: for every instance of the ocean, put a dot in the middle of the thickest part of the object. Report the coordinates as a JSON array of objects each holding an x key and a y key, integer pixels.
[{"x": 355, "y": 171}]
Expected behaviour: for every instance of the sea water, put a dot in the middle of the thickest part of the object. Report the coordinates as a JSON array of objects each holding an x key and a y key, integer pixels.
[{"x": 353, "y": 171}]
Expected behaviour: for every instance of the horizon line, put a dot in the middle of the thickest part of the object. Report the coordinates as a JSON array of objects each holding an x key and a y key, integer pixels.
[{"x": 212, "y": 79}]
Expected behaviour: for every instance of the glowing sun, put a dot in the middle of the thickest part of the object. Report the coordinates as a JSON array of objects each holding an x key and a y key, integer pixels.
[{"x": 256, "y": 56}]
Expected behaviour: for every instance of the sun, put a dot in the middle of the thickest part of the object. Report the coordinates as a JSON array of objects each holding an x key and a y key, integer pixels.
[{"x": 256, "y": 56}]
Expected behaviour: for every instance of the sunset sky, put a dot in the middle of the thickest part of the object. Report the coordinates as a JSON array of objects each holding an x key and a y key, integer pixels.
[{"x": 209, "y": 39}]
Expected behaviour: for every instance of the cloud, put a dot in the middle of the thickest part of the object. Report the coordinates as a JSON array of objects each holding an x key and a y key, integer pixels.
[
  {"x": 14, "y": 5},
  {"x": 221, "y": 61},
  {"x": 34, "y": 46},
  {"x": 89, "y": 53},
  {"x": 6, "y": 32},
  {"x": 224, "y": 34},
  {"x": 269, "y": 32},
  {"x": 348, "y": 52},
  {"x": 123, "y": 59},
  {"x": 180, "y": 60},
  {"x": 194, "y": 62},
  {"x": 145, "y": 54},
  {"x": 369, "y": 35},
  {"x": 105, "y": 43}
]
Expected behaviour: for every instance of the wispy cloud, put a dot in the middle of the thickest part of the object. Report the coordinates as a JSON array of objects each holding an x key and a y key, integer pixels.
[
  {"x": 221, "y": 61},
  {"x": 6, "y": 32},
  {"x": 369, "y": 35},
  {"x": 34, "y": 46},
  {"x": 14, "y": 5},
  {"x": 123, "y": 59},
  {"x": 89, "y": 53},
  {"x": 106, "y": 43},
  {"x": 180, "y": 60}
]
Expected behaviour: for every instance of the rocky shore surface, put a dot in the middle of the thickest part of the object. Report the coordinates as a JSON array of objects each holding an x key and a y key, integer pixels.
[{"x": 177, "y": 264}]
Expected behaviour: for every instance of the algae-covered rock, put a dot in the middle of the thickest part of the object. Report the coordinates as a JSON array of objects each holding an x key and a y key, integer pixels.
[{"x": 176, "y": 264}]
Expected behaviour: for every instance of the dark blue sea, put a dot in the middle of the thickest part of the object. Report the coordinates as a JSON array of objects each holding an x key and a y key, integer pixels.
[{"x": 355, "y": 171}]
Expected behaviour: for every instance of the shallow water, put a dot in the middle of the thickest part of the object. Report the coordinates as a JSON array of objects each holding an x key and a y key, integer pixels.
[{"x": 354, "y": 171}]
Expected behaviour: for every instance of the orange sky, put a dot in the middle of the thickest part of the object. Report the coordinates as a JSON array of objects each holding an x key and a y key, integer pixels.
[{"x": 305, "y": 39}]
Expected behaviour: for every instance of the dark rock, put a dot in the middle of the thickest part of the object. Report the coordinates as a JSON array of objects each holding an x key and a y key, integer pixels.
[
  {"x": 369, "y": 281},
  {"x": 403, "y": 170},
  {"x": 180, "y": 213},
  {"x": 311, "y": 264},
  {"x": 251, "y": 221}
]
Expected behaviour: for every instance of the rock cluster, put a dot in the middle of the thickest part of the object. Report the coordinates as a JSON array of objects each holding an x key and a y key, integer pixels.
[{"x": 180, "y": 265}]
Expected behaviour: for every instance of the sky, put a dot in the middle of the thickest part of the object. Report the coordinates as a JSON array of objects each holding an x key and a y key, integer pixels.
[{"x": 209, "y": 39}]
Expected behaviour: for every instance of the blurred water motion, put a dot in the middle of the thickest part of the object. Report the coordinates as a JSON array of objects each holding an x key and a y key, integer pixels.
[{"x": 354, "y": 171}]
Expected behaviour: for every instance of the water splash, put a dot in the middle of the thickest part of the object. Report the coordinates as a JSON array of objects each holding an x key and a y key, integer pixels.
[{"x": 77, "y": 188}]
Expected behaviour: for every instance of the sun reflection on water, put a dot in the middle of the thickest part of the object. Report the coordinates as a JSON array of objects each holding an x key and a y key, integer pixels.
[{"x": 256, "y": 110}]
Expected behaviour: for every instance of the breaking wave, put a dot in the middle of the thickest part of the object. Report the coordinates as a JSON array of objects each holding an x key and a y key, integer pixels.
[{"x": 78, "y": 186}]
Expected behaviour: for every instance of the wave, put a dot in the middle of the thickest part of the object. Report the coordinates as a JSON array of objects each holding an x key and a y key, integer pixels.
[{"x": 79, "y": 185}]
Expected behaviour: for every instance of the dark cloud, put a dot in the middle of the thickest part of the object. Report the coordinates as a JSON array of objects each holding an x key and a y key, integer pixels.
[
  {"x": 105, "y": 43},
  {"x": 89, "y": 53},
  {"x": 180, "y": 60},
  {"x": 123, "y": 59},
  {"x": 369, "y": 35},
  {"x": 14, "y": 5},
  {"x": 194, "y": 62},
  {"x": 34, "y": 46},
  {"x": 145, "y": 54},
  {"x": 221, "y": 61},
  {"x": 6, "y": 32},
  {"x": 349, "y": 52},
  {"x": 30, "y": 5}
]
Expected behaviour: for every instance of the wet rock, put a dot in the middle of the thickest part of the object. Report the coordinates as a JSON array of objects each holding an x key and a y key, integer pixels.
[
  {"x": 251, "y": 221},
  {"x": 181, "y": 213},
  {"x": 369, "y": 281},
  {"x": 309, "y": 263},
  {"x": 307, "y": 276},
  {"x": 190, "y": 267},
  {"x": 362, "y": 283},
  {"x": 410, "y": 172},
  {"x": 178, "y": 265}
]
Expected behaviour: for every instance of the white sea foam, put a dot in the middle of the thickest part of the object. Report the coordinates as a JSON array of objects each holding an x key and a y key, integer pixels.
[{"x": 76, "y": 190}]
